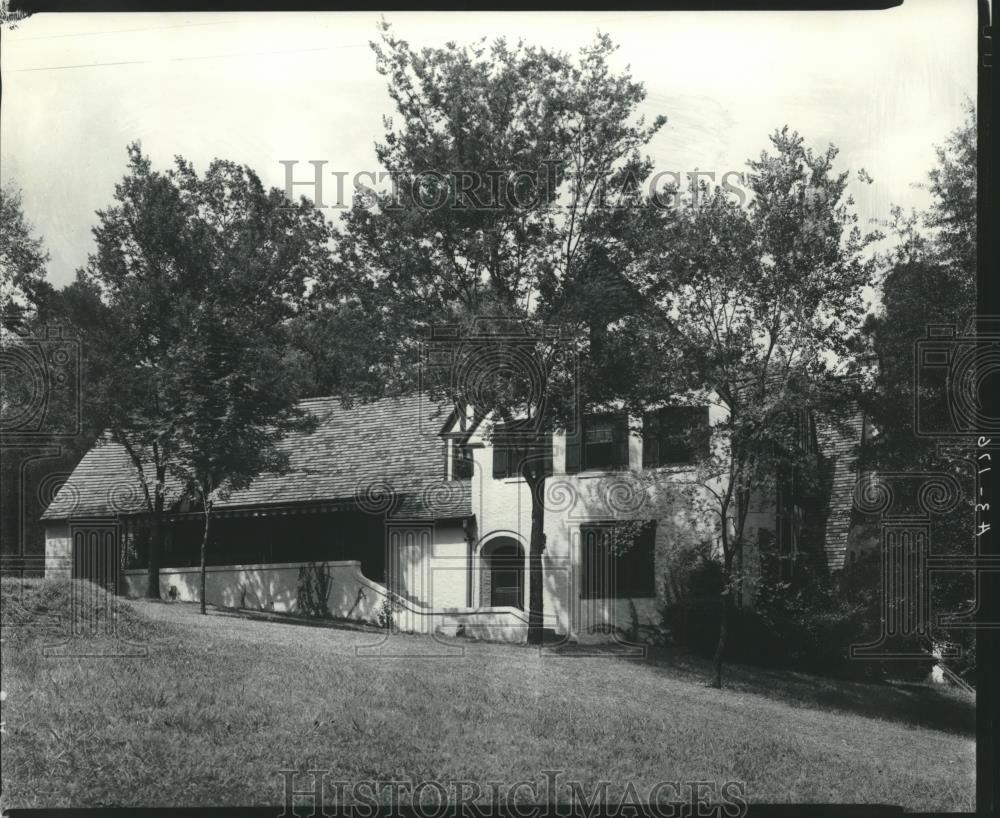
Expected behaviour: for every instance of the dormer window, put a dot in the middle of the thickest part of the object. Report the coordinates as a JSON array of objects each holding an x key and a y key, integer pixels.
[{"x": 461, "y": 464}]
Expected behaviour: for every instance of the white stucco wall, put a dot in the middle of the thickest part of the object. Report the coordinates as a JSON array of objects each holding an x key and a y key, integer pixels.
[
  {"x": 58, "y": 550},
  {"x": 274, "y": 587},
  {"x": 449, "y": 566},
  {"x": 503, "y": 508},
  {"x": 350, "y": 595}
]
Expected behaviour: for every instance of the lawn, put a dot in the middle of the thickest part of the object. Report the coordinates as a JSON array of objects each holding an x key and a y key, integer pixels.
[{"x": 222, "y": 702}]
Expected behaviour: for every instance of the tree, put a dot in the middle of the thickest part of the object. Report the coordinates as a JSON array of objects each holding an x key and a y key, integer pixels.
[
  {"x": 22, "y": 277},
  {"x": 757, "y": 309},
  {"x": 516, "y": 175},
  {"x": 22, "y": 259},
  {"x": 175, "y": 253},
  {"x": 238, "y": 399},
  {"x": 934, "y": 255},
  {"x": 929, "y": 277}
]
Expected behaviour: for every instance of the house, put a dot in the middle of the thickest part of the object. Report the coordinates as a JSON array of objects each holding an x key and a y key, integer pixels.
[{"x": 404, "y": 505}]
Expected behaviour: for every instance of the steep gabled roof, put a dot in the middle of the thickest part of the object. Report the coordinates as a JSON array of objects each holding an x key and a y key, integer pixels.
[{"x": 354, "y": 453}]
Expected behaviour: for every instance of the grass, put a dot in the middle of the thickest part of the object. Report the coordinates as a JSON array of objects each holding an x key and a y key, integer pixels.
[{"x": 222, "y": 702}]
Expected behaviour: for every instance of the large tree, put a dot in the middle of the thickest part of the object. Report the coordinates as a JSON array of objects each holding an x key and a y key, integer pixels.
[
  {"x": 45, "y": 426},
  {"x": 517, "y": 184},
  {"x": 175, "y": 253},
  {"x": 236, "y": 397},
  {"x": 757, "y": 306},
  {"x": 929, "y": 277}
]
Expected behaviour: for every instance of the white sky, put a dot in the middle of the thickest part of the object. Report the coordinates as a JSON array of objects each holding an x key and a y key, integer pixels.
[{"x": 884, "y": 86}]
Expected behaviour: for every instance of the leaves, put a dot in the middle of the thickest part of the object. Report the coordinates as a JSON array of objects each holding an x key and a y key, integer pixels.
[
  {"x": 22, "y": 258},
  {"x": 197, "y": 279}
]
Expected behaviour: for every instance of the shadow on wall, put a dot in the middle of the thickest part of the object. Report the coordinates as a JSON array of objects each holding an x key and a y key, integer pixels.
[{"x": 329, "y": 589}]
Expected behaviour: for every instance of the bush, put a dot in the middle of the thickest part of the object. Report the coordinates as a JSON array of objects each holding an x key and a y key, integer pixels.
[
  {"x": 386, "y": 615},
  {"x": 807, "y": 625}
]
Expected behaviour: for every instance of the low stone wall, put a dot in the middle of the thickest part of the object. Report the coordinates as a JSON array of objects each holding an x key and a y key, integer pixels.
[{"x": 334, "y": 589}]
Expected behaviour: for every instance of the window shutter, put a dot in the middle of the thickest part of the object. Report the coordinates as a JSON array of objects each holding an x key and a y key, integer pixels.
[
  {"x": 499, "y": 460},
  {"x": 704, "y": 445},
  {"x": 651, "y": 440},
  {"x": 573, "y": 451},
  {"x": 621, "y": 441}
]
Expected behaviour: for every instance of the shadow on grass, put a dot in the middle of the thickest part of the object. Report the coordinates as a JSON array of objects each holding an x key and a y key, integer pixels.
[
  {"x": 293, "y": 619},
  {"x": 939, "y": 707}
]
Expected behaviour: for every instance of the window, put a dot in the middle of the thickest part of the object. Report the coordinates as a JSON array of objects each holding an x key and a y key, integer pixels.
[
  {"x": 674, "y": 436},
  {"x": 461, "y": 464},
  {"x": 509, "y": 456},
  {"x": 603, "y": 444},
  {"x": 617, "y": 560}
]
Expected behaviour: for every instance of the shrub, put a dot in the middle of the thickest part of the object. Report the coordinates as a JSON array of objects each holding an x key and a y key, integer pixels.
[
  {"x": 808, "y": 624},
  {"x": 386, "y": 616}
]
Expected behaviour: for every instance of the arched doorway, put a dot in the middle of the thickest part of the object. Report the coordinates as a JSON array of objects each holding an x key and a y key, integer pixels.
[{"x": 502, "y": 573}]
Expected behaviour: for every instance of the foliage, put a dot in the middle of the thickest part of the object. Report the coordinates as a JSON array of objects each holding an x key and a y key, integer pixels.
[
  {"x": 385, "y": 617},
  {"x": 517, "y": 192},
  {"x": 39, "y": 398},
  {"x": 807, "y": 625},
  {"x": 188, "y": 297},
  {"x": 758, "y": 309},
  {"x": 929, "y": 278},
  {"x": 22, "y": 258},
  {"x": 934, "y": 254}
]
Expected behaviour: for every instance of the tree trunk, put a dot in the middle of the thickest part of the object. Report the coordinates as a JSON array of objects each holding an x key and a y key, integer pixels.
[
  {"x": 204, "y": 548},
  {"x": 156, "y": 538},
  {"x": 720, "y": 647},
  {"x": 724, "y": 615},
  {"x": 537, "y": 546}
]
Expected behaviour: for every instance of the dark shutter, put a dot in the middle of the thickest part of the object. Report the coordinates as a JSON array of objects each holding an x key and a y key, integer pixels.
[
  {"x": 651, "y": 440},
  {"x": 635, "y": 569},
  {"x": 574, "y": 446},
  {"x": 595, "y": 563},
  {"x": 547, "y": 456},
  {"x": 703, "y": 444},
  {"x": 683, "y": 434},
  {"x": 621, "y": 441},
  {"x": 499, "y": 460}
]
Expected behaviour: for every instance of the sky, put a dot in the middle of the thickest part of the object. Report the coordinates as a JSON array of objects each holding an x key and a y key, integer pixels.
[{"x": 259, "y": 88}]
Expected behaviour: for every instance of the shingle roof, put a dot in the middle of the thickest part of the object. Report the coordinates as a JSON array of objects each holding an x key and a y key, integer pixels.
[
  {"x": 839, "y": 433},
  {"x": 355, "y": 453}
]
